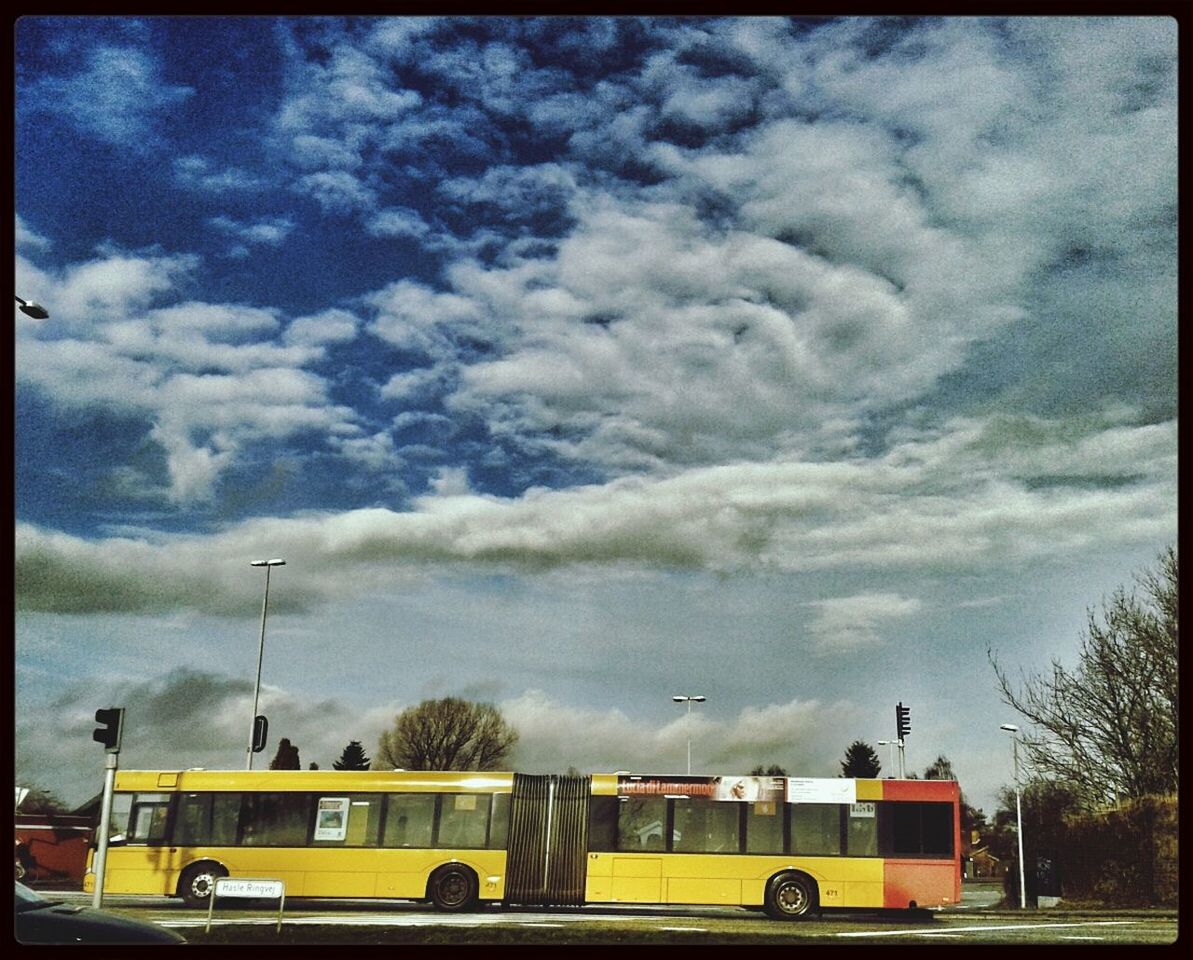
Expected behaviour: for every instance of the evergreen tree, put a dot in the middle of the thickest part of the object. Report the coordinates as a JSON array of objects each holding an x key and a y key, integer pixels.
[
  {"x": 860, "y": 761},
  {"x": 353, "y": 758},
  {"x": 774, "y": 770},
  {"x": 286, "y": 758}
]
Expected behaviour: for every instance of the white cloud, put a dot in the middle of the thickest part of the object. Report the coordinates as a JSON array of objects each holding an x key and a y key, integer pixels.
[
  {"x": 312, "y": 152},
  {"x": 844, "y": 624},
  {"x": 206, "y": 378},
  {"x": 522, "y": 190},
  {"x": 933, "y": 504},
  {"x": 268, "y": 231},
  {"x": 398, "y": 222},
  {"x": 337, "y": 192},
  {"x": 713, "y": 345},
  {"x": 115, "y": 98},
  {"x": 116, "y": 283},
  {"x": 554, "y": 736},
  {"x": 29, "y": 239},
  {"x": 196, "y": 173},
  {"x": 329, "y": 326},
  {"x": 415, "y": 317},
  {"x": 375, "y": 453}
]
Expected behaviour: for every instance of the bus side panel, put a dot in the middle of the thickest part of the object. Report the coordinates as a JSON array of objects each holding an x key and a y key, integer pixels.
[
  {"x": 930, "y": 883},
  {"x": 138, "y": 869},
  {"x": 403, "y": 874}
]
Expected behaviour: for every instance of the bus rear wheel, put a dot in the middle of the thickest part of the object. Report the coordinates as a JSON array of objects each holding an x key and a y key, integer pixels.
[
  {"x": 452, "y": 888},
  {"x": 198, "y": 882},
  {"x": 790, "y": 896}
]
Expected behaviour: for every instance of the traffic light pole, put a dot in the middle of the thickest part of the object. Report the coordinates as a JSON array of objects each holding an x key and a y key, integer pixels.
[{"x": 105, "y": 819}]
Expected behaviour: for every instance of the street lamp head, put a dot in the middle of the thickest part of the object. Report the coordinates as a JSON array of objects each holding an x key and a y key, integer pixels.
[
  {"x": 267, "y": 563},
  {"x": 698, "y": 699},
  {"x": 34, "y": 310},
  {"x": 1009, "y": 727}
]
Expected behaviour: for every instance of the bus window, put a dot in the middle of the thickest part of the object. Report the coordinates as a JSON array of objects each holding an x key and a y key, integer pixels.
[
  {"x": 225, "y": 818},
  {"x": 764, "y": 827},
  {"x": 921, "y": 829},
  {"x": 207, "y": 819},
  {"x": 500, "y": 823},
  {"x": 122, "y": 807},
  {"x": 938, "y": 829},
  {"x": 704, "y": 826},
  {"x": 861, "y": 838},
  {"x": 410, "y": 820},
  {"x": 463, "y": 820},
  {"x": 641, "y": 822},
  {"x": 816, "y": 829},
  {"x": 602, "y": 824},
  {"x": 362, "y": 823},
  {"x": 147, "y": 820},
  {"x": 276, "y": 819}
]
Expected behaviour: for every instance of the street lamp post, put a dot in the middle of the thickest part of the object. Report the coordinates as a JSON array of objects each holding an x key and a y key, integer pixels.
[
  {"x": 689, "y": 701},
  {"x": 31, "y": 309},
  {"x": 1014, "y": 732},
  {"x": 268, "y": 565},
  {"x": 891, "y": 744}
]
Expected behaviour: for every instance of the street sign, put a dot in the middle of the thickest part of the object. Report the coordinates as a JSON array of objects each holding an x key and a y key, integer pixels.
[{"x": 247, "y": 888}]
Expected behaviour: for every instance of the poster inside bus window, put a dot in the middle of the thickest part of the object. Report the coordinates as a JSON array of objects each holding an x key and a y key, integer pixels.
[
  {"x": 332, "y": 820},
  {"x": 821, "y": 790}
]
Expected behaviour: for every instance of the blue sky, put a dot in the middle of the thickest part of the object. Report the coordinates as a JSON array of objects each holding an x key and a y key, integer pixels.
[{"x": 577, "y": 363}]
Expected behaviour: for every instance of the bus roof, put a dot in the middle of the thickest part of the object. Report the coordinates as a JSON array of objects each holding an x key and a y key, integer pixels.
[{"x": 451, "y": 781}]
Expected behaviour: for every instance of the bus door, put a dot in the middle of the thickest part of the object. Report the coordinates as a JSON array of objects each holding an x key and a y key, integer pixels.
[{"x": 548, "y": 840}]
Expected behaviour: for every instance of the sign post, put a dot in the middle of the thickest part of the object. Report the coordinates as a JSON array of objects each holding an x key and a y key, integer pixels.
[
  {"x": 246, "y": 889},
  {"x": 105, "y": 819}
]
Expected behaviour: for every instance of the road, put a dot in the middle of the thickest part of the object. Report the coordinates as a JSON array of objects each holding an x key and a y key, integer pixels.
[{"x": 974, "y": 921}]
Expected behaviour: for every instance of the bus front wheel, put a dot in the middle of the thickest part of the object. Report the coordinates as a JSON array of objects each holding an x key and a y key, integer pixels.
[
  {"x": 452, "y": 888},
  {"x": 790, "y": 896},
  {"x": 197, "y": 883}
]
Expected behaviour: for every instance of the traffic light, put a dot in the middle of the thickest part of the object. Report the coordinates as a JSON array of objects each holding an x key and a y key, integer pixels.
[
  {"x": 902, "y": 720},
  {"x": 112, "y": 726}
]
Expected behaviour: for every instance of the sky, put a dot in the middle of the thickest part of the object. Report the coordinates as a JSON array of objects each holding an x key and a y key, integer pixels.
[{"x": 573, "y": 364}]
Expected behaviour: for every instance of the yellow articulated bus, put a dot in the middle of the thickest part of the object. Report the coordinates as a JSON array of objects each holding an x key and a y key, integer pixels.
[{"x": 788, "y": 845}]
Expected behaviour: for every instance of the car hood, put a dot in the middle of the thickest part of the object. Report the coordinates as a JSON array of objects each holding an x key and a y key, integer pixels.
[{"x": 64, "y": 923}]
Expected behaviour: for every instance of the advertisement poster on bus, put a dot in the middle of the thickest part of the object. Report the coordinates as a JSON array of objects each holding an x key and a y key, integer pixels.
[
  {"x": 747, "y": 789},
  {"x": 332, "y": 820},
  {"x": 821, "y": 790}
]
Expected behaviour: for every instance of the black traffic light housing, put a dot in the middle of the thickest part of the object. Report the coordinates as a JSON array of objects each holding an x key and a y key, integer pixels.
[
  {"x": 902, "y": 720},
  {"x": 111, "y": 729}
]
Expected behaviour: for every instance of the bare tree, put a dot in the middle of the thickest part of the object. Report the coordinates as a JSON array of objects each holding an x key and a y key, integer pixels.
[
  {"x": 447, "y": 734},
  {"x": 1108, "y": 728}
]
